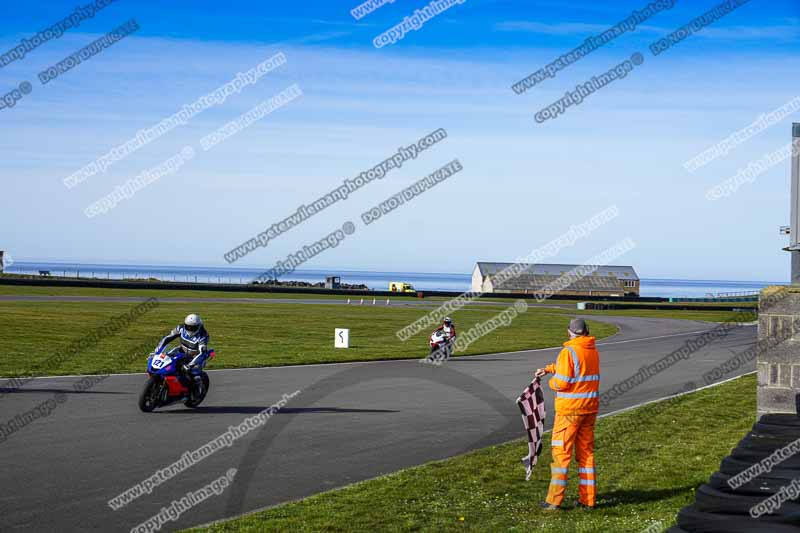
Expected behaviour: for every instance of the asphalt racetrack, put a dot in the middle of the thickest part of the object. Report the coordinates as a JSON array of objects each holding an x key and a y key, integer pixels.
[{"x": 349, "y": 422}]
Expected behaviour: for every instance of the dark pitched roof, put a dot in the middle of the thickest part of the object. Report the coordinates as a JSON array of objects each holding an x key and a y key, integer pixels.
[
  {"x": 541, "y": 276},
  {"x": 621, "y": 271}
]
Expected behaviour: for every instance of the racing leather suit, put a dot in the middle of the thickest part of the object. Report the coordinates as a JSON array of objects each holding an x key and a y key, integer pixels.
[
  {"x": 450, "y": 331},
  {"x": 194, "y": 345}
]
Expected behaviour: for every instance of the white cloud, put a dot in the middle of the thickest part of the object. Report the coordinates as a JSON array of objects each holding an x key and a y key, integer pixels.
[
  {"x": 784, "y": 32},
  {"x": 560, "y": 28},
  {"x": 776, "y": 32}
]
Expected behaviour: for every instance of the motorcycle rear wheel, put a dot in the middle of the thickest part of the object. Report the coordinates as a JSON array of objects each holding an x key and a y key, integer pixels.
[{"x": 191, "y": 402}]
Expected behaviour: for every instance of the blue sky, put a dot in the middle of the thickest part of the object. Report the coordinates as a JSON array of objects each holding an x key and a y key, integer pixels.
[{"x": 523, "y": 183}]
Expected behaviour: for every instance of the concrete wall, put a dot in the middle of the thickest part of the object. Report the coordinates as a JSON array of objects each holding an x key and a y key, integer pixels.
[{"x": 778, "y": 350}]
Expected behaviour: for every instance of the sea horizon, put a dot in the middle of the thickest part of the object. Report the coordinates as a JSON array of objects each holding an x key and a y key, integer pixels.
[{"x": 374, "y": 279}]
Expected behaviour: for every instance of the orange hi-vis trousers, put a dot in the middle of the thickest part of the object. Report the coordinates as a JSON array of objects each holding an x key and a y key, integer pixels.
[{"x": 573, "y": 431}]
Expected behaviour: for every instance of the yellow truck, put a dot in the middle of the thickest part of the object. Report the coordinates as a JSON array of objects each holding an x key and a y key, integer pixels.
[{"x": 401, "y": 286}]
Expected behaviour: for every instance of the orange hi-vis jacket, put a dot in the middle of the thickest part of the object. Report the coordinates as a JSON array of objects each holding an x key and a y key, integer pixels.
[{"x": 576, "y": 377}]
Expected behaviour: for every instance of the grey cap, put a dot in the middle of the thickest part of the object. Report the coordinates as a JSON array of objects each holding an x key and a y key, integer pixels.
[{"x": 578, "y": 326}]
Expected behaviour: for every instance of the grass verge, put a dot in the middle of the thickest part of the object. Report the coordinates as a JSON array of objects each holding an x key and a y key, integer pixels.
[
  {"x": 24, "y": 290},
  {"x": 708, "y": 316},
  {"x": 650, "y": 460}
]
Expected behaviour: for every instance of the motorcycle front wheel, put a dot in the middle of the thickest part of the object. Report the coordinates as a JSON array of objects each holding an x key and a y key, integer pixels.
[{"x": 148, "y": 398}]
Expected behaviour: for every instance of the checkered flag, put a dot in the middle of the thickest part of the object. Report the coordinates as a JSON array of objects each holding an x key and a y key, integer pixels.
[{"x": 531, "y": 404}]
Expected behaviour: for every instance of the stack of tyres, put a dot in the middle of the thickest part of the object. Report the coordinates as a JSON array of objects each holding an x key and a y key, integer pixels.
[{"x": 721, "y": 508}]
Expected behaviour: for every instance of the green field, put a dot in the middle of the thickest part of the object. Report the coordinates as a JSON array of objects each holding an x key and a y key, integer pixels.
[
  {"x": 248, "y": 335},
  {"x": 20, "y": 290},
  {"x": 263, "y": 334},
  {"x": 17, "y": 290},
  {"x": 708, "y": 316},
  {"x": 636, "y": 303},
  {"x": 650, "y": 460}
]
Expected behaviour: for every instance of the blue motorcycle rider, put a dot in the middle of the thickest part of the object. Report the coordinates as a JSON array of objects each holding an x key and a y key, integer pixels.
[{"x": 194, "y": 343}]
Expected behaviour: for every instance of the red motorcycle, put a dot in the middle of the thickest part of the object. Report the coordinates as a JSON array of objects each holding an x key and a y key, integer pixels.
[{"x": 441, "y": 346}]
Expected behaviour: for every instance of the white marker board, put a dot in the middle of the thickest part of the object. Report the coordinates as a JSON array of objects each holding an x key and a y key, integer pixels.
[{"x": 341, "y": 338}]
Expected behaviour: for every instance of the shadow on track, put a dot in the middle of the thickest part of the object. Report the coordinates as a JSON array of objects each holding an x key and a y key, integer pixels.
[
  {"x": 475, "y": 360},
  {"x": 259, "y": 448},
  {"x": 248, "y": 409},
  {"x": 3, "y": 392}
]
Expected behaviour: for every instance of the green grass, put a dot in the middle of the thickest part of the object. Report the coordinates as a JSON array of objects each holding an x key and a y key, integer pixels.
[
  {"x": 23, "y": 290},
  {"x": 247, "y": 335},
  {"x": 572, "y": 302},
  {"x": 17, "y": 290},
  {"x": 693, "y": 304},
  {"x": 650, "y": 460},
  {"x": 708, "y": 316}
]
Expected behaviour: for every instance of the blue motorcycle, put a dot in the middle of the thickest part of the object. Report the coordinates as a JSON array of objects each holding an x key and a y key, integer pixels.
[{"x": 170, "y": 381}]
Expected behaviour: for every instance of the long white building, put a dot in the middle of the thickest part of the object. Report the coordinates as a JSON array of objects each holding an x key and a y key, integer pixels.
[{"x": 611, "y": 280}]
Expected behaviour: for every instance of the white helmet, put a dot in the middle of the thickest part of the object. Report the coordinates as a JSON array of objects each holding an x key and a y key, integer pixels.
[{"x": 193, "y": 323}]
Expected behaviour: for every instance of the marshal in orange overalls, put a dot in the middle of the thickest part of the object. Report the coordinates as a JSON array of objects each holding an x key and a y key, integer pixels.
[{"x": 576, "y": 381}]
